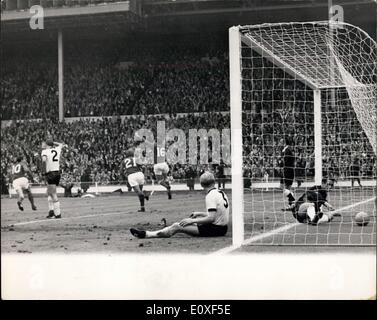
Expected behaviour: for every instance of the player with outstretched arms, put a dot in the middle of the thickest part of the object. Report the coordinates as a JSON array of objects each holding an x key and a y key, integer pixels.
[
  {"x": 213, "y": 223},
  {"x": 21, "y": 183},
  {"x": 51, "y": 170},
  {"x": 135, "y": 176},
  {"x": 161, "y": 170}
]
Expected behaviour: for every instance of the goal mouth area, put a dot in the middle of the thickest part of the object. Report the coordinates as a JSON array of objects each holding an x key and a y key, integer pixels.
[{"x": 313, "y": 83}]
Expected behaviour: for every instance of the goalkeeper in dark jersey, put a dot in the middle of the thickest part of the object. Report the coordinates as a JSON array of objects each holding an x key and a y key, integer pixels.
[{"x": 309, "y": 207}]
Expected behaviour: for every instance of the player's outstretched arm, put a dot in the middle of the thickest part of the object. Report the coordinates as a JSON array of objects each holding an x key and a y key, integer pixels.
[
  {"x": 60, "y": 144},
  {"x": 328, "y": 206},
  {"x": 9, "y": 175},
  {"x": 28, "y": 171},
  {"x": 44, "y": 165}
]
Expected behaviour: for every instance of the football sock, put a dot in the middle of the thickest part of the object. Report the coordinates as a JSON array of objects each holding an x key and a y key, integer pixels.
[
  {"x": 165, "y": 184},
  {"x": 141, "y": 199},
  {"x": 163, "y": 233},
  {"x": 291, "y": 198},
  {"x": 289, "y": 195},
  {"x": 56, "y": 208},
  {"x": 31, "y": 199},
  {"x": 50, "y": 203}
]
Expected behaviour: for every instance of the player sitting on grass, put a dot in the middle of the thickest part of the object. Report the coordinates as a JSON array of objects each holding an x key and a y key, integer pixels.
[
  {"x": 21, "y": 183},
  {"x": 213, "y": 223},
  {"x": 135, "y": 176}
]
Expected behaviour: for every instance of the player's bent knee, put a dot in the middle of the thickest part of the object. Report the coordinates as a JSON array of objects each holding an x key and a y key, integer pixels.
[{"x": 176, "y": 226}]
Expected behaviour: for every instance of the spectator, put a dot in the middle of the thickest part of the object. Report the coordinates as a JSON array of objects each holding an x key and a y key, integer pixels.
[
  {"x": 190, "y": 177},
  {"x": 220, "y": 175}
]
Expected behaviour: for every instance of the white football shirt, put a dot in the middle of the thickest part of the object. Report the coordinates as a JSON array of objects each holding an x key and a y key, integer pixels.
[
  {"x": 217, "y": 199},
  {"x": 52, "y": 158}
]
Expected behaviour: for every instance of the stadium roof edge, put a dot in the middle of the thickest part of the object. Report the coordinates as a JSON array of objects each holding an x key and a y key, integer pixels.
[
  {"x": 257, "y": 8},
  {"x": 62, "y": 12}
]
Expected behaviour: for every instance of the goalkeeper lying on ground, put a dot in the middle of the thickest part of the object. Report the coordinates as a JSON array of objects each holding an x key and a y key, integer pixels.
[{"x": 309, "y": 207}]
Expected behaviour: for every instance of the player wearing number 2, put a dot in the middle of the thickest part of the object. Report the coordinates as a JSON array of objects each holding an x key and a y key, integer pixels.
[
  {"x": 135, "y": 177},
  {"x": 51, "y": 171},
  {"x": 21, "y": 183},
  {"x": 213, "y": 223}
]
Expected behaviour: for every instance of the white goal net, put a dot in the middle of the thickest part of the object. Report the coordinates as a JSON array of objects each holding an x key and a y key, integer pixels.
[{"x": 312, "y": 87}]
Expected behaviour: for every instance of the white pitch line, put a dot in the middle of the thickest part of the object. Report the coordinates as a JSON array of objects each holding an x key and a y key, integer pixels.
[
  {"x": 78, "y": 217},
  {"x": 67, "y": 218},
  {"x": 279, "y": 230}
]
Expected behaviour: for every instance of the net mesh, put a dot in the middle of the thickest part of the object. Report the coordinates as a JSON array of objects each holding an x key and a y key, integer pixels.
[{"x": 281, "y": 65}]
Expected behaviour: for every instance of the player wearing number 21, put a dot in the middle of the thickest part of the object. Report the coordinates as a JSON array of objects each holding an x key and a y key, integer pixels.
[
  {"x": 135, "y": 176},
  {"x": 51, "y": 170},
  {"x": 213, "y": 223}
]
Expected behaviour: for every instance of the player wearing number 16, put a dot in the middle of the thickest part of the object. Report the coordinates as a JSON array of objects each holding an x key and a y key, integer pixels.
[
  {"x": 51, "y": 171},
  {"x": 213, "y": 223}
]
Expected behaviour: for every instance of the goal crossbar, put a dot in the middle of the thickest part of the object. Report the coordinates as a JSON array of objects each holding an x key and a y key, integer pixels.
[{"x": 291, "y": 52}]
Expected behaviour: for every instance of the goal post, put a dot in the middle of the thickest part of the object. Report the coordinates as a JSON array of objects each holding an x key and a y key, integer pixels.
[
  {"x": 317, "y": 136},
  {"x": 315, "y": 83},
  {"x": 236, "y": 134}
]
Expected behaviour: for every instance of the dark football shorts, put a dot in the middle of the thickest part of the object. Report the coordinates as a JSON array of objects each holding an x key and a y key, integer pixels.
[
  {"x": 53, "y": 177},
  {"x": 301, "y": 218},
  {"x": 288, "y": 176},
  {"x": 212, "y": 230}
]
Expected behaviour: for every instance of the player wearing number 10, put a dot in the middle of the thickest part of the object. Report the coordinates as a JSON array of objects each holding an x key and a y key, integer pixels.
[
  {"x": 213, "y": 223},
  {"x": 51, "y": 171},
  {"x": 21, "y": 183}
]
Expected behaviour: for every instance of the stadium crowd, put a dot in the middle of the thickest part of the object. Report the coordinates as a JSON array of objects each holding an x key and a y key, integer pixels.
[{"x": 30, "y": 91}]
